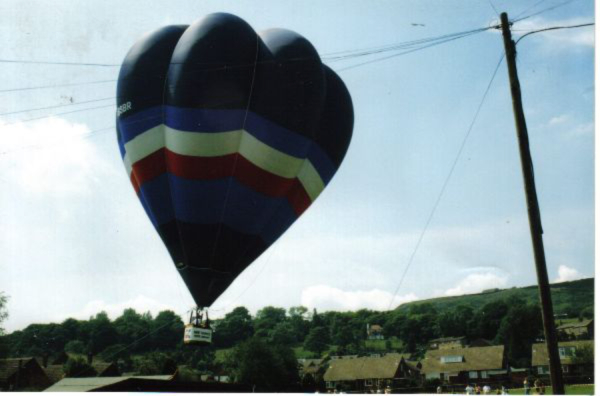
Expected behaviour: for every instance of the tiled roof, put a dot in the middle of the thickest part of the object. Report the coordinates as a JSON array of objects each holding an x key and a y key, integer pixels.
[
  {"x": 473, "y": 359},
  {"x": 363, "y": 368},
  {"x": 8, "y": 367}
]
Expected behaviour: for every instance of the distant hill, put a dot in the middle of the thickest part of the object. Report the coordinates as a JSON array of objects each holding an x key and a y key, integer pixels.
[{"x": 569, "y": 298}]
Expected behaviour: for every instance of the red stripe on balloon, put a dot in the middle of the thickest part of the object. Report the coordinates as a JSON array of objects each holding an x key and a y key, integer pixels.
[{"x": 211, "y": 168}]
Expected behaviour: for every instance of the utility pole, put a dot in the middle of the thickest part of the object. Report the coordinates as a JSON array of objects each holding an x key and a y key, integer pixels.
[{"x": 533, "y": 210}]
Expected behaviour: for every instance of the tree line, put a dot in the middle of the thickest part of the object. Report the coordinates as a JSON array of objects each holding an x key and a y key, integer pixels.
[{"x": 264, "y": 343}]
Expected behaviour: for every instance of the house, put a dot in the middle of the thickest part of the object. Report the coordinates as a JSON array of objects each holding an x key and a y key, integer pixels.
[
  {"x": 151, "y": 383},
  {"x": 448, "y": 343},
  {"x": 22, "y": 374},
  {"x": 375, "y": 332},
  {"x": 56, "y": 372},
  {"x": 567, "y": 351},
  {"x": 364, "y": 374},
  {"x": 582, "y": 329},
  {"x": 465, "y": 365}
]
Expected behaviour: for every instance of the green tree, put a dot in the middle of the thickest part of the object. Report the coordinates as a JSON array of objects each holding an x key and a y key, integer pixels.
[
  {"x": 266, "y": 367},
  {"x": 102, "y": 333},
  {"x": 3, "y": 317},
  {"x": 266, "y": 320},
  {"x": 586, "y": 313},
  {"x": 456, "y": 323},
  {"x": 518, "y": 330},
  {"x": 167, "y": 330},
  {"x": 283, "y": 334},
  {"x": 78, "y": 367},
  {"x": 584, "y": 356},
  {"x": 236, "y": 326},
  {"x": 317, "y": 340},
  {"x": 75, "y": 346},
  {"x": 155, "y": 363},
  {"x": 298, "y": 319},
  {"x": 487, "y": 320},
  {"x": 133, "y": 329}
]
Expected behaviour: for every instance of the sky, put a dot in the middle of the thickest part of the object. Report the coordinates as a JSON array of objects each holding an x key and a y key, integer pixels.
[{"x": 74, "y": 239}]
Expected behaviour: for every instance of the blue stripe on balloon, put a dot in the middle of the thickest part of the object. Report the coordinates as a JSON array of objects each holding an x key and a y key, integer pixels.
[
  {"x": 201, "y": 202},
  {"x": 155, "y": 197},
  {"x": 211, "y": 120},
  {"x": 140, "y": 122}
]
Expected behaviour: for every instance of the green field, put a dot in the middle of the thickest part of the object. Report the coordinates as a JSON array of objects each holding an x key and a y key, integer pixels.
[
  {"x": 569, "y": 298},
  {"x": 569, "y": 390}
]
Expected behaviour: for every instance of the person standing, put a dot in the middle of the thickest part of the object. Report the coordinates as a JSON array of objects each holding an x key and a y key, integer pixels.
[{"x": 526, "y": 386}]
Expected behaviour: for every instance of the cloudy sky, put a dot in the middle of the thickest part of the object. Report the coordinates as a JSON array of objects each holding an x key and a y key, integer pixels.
[{"x": 74, "y": 239}]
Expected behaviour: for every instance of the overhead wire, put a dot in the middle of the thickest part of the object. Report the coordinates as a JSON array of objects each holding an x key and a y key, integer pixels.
[
  {"x": 543, "y": 11},
  {"x": 56, "y": 86},
  {"x": 446, "y": 181},
  {"x": 55, "y": 106},
  {"x": 553, "y": 28},
  {"x": 412, "y": 50},
  {"x": 526, "y": 10}
]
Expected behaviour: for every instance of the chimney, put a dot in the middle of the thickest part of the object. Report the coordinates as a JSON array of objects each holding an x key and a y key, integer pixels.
[{"x": 90, "y": 358}]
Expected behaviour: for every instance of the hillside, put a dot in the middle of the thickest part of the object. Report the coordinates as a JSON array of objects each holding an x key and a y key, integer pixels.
[{"x": 569, "y": 298}]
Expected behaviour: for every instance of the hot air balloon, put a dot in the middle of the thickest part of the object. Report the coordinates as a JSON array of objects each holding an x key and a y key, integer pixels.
[{"x": 228, "y": 136}]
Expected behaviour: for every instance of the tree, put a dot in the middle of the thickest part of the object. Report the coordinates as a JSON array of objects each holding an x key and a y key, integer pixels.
[
  {"x": 518, "y": 330},
  {"x": 456, "y": 323},
  {"x": 267, "y": 368},
  {"x": 586, "y": 313},
  {"x": 235, "y": 327},
  {"x": 132, "y": 328},
  {"x": 155, "y": 363},
  {"x": 317, "y": 340},
  {"x": 78, "y": 367},
  {"x": 167, "y": 330},
  {"x": 486, "y": 321},
  {"x": 584, "y": 356},
  {"x": 3, "y": 317},
  {"x": 75, "y": 346},
  {"x": 299, "y": 322},
  {"x": 266, "y": 320},
  {"x": 283, "y": 334},
  {"x": 102, "y": 333}
]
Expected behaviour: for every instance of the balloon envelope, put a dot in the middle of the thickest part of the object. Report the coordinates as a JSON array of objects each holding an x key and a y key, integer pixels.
[{"x": 227, "y": 136}]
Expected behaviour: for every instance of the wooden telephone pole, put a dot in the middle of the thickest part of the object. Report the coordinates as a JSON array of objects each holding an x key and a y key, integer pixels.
[{"x": 535, "y": 222}]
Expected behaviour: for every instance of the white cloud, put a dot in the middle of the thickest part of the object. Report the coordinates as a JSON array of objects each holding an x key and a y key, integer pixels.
[
  {"x": 561, "y": 119},
  {"x": 581, "y": 130},
  {"x": 560, "y": 39},
  {"x": 51, "y": 156},
  {"x": 475, "y": 283},
  {"x": 141, "y": 304},
  {"x": 330, "y": 298},
  {"x": 566, "y": 274}
]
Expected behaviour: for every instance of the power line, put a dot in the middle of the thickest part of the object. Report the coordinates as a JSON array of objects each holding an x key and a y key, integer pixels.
[
  {"x": 30, "y": 62},
  {"x": 57, "y": 114},
  {"x": 529, "y": 8},
  {"x": 56, "y": 86},
  {"x": 544, "y": 10},
  {"x": 342, "y": 55},
  {"x": 55, "y": 106},
  {"x": 554, "y": 28},
  {"x": 445, "y": 184},
  {"x": 412, "y": 50}
]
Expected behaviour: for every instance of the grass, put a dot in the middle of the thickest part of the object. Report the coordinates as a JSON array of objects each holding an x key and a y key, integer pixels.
[
  {"x": 220, "y": 354},
  {"x": 379, "y": 345},
  {"x": 569, "y": 390}
]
